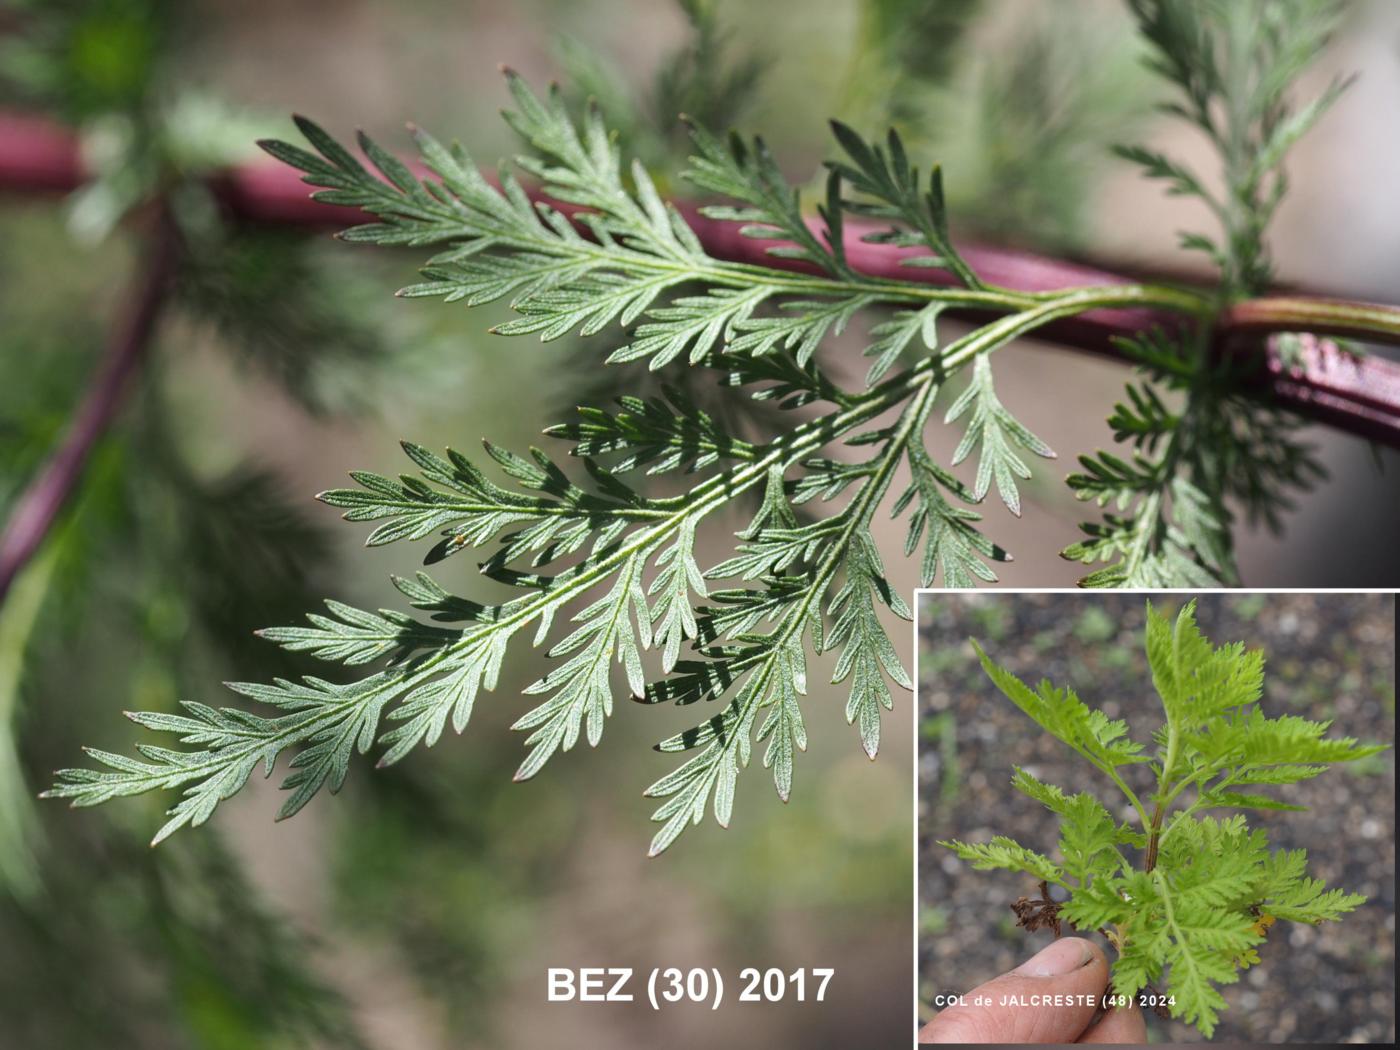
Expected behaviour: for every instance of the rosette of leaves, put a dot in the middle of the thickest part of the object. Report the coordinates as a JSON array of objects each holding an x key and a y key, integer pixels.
[{"x": 1195, "y": 910}]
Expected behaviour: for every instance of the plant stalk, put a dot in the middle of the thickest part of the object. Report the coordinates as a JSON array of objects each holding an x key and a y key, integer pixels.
[
  {"x": 46, "y": 494},
  {"x": 1154, "y": 836},
  {"x": 1358, "y": 396}
]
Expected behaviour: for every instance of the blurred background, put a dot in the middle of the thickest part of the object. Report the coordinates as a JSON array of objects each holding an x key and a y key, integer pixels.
[
  {"x": 422, "y": 906},
  {"x": 1328, "y": 657}
]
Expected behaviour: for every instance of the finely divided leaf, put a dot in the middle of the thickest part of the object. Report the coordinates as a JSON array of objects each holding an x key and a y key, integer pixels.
[
  {"x": 1062, "y": 714},
  {"x": 999, "y": 434},
  {"x": 1003, "y": 852}
]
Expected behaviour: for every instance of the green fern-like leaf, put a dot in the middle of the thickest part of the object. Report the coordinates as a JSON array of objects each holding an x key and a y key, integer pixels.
[
  {"x": 999, "y": 434},
  {"x": 1005, "y": 853},
  {"x": 601, "y": 572}
]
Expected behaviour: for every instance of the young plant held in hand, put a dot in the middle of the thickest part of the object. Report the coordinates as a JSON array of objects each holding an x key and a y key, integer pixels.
[{"x": 1206, "y": 889}]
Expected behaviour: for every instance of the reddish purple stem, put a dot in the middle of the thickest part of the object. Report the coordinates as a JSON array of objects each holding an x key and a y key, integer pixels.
[
  {"x": 39, "y": 504},
  {"x": 1318, "y": 380}
]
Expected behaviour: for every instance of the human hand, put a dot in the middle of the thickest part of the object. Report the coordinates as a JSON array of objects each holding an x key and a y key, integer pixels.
[{"x": 1071, "y": 968}]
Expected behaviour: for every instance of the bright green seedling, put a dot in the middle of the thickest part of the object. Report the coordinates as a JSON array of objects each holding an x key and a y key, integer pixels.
[{"x": 1207, "y": 889}]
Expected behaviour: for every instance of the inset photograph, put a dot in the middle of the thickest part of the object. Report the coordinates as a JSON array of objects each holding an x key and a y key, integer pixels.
[{"x": 1164, "y": 818}]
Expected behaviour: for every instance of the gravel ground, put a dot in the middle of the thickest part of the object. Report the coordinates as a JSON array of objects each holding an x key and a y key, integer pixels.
[{"x": 1330, "y": 656}]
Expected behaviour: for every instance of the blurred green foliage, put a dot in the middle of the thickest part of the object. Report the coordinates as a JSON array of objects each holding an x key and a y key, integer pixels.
[
  {"x": 82, "y": 58},
  {"x": 1020, "y": 111},
  {"x": 1094, "y": 625}
]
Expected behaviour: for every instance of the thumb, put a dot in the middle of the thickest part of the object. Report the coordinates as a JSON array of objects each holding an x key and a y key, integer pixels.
[{"x": 1050, "y": 998}]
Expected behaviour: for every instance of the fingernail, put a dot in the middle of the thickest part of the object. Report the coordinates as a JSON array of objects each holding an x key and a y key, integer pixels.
[{"x": 1062, "y": 957}]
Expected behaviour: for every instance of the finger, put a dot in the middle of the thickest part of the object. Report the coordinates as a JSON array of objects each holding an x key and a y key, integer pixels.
[
  {"x": 1050, "y": 998},
  {"x": 1122, "y": 1024}
]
